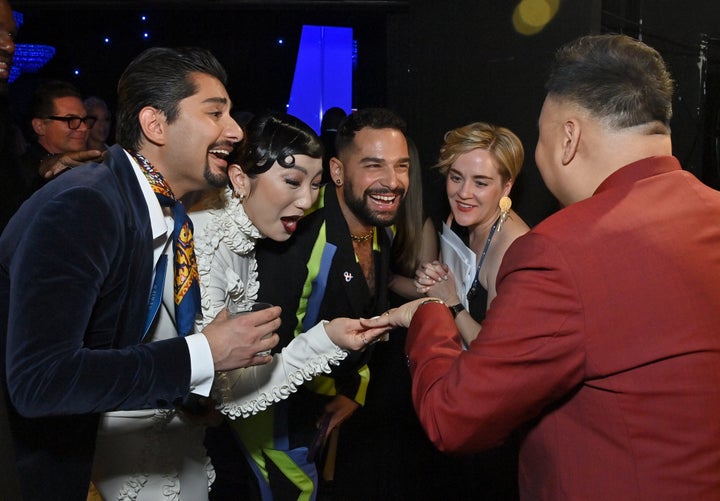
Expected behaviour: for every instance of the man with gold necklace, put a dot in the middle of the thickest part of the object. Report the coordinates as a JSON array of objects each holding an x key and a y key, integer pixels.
[{"x": 346, "y": 246}]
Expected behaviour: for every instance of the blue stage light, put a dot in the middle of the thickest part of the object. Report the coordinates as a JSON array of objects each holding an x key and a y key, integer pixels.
[
  {"x": 29, "y": 58},
  {"x": 323, "y": 73}
]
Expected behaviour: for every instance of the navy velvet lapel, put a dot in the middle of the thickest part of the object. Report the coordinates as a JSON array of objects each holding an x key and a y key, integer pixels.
[{"x": 139, "y": 221}]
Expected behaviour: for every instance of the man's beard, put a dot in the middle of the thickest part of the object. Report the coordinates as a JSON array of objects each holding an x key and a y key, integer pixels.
[
  {"x": 215, "y": 180},
  {"x": 359, "y": 207}
]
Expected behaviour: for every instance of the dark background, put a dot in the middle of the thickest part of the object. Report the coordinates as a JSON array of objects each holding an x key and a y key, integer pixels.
[
  {"x": 439, "y": 64},
  {"x": 243, "y": 38}
]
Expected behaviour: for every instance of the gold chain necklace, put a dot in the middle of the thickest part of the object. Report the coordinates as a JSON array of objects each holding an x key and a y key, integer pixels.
[{"x": 362, "y": 238}]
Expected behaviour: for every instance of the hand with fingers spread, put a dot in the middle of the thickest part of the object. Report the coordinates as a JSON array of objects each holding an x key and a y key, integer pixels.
[{"x": 236, "y": 341}]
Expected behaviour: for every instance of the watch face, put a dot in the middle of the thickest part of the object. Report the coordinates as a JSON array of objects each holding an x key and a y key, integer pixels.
[{"x": 456, "y": 309}]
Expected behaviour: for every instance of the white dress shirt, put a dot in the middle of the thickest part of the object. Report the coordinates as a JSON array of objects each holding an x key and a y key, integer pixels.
[{"x": 162, "y": 224}]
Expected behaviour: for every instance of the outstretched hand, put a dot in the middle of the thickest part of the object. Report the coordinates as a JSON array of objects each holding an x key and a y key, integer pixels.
[
  {"x": 58, "y": 163},
  {"x": 395, "y": 317},
  {"x": 350, "y": 334}
]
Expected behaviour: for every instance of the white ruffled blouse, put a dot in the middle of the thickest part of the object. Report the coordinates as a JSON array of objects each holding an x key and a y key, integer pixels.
[{"x": 225, "y": 249}]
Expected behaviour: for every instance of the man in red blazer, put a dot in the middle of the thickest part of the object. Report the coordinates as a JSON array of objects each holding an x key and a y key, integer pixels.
[{"x": 602, "y": 347}]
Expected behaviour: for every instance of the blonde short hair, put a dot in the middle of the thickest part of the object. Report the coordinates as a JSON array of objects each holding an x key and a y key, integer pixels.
[{"x": 502, "y": 143}]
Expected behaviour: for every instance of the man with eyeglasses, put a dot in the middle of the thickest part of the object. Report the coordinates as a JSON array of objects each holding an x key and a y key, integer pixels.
[{"x": 60, "y": 125}]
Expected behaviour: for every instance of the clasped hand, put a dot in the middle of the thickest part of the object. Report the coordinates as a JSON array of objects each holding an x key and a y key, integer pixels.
[{"x": 437, "y": 280}]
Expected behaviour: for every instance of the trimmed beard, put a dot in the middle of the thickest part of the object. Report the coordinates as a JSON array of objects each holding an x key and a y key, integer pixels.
[
  {"x": 215, "y": 180},
  {"x": 359, "y": 207}
]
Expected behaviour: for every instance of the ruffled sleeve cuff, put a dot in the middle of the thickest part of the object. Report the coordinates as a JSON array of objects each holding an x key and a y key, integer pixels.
[{"x": 244, "y": 392}]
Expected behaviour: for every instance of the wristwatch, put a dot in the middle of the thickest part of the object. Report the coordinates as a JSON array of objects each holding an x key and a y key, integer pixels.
[{"x": 456, "y": 309}]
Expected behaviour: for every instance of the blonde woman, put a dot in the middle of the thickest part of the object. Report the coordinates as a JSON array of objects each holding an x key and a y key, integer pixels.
[{"x": 481, "y": 162}]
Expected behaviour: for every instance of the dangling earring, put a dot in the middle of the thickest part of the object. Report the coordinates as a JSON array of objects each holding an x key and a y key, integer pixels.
[
  {"x": 239, "y": 196},
  {"x": 505, "y": 203}
]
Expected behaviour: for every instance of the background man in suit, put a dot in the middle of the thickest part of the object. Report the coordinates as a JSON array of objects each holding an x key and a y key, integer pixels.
[
  {"x": 76, "y": 267},
  {"x": 602, "y": 343},
  {"x": 14, "y": 189},
  {"x": 60, "y": 125}
]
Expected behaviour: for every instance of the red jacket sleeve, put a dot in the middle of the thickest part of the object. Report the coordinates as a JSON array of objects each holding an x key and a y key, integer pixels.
[{"x": 528, "y": 355}]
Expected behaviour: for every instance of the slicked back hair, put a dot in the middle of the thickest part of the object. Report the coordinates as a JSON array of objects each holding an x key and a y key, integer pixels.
[
  {"x": 159, "y": 77},
  {"x": 43, "y": 104}
]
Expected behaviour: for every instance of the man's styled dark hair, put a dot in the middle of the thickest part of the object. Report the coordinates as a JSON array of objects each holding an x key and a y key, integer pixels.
[
  {"x": 44, "y": 96},
  {"x": 275, "y": 137},
  {"x": 159, "y": 77},
  {"x": 618, "y": 79},
  {"x": 374, "y": 118}
]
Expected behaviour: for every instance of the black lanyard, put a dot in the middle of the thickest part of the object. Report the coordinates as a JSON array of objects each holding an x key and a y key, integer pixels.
[{"x": 476, "y": 282}]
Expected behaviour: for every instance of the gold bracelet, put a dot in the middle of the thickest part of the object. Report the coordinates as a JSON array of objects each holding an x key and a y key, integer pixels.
[{"x": 432, "y": 300}]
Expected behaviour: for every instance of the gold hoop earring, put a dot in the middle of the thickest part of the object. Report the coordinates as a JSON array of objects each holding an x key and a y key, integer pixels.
[{"x": 504, "y": 203}]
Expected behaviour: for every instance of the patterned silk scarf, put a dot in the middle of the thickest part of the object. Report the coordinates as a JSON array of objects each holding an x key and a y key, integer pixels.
[{"x": 187, "y": 285}]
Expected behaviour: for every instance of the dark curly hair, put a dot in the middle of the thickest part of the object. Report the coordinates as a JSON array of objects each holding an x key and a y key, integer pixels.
[
  {"x": 275, "y": 137},
  {"x": 374, "y": 118}
]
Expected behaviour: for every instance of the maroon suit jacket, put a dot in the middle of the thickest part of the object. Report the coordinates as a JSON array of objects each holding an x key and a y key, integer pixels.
[{"x": 602, "y": 345}]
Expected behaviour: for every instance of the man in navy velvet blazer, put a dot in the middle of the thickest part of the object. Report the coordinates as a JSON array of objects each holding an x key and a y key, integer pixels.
[{"x": 76, "y": 267}]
